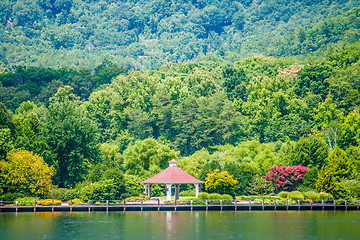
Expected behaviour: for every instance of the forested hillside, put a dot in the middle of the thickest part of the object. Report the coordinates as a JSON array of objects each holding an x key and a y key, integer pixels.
[
  {"x": 148, "y": 34},
  {"x": 243, "y": 118},
  {"x": 100, "y": 95}
]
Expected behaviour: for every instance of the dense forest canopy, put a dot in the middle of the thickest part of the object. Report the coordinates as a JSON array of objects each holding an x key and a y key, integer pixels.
[
  {"x": 102, "y": 94},
  {"x": 149, "y": 34}
]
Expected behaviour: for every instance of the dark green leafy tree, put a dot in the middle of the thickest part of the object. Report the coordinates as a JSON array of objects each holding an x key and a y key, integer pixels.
[
  {"x": 310, "y": 152},
  {"x": 71, "y": 136},
  {"x": 209, "y": 166},
  {"x": 235, "y": 83},
  {"x": 338, "y": 168},
  {"x": 313, "y": 79},
  {"x": 7, "y": 131},
  {"x": 147, "y": 157}
]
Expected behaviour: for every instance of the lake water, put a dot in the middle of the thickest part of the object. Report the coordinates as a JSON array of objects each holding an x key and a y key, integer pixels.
[{"x": 181, "y": 225}]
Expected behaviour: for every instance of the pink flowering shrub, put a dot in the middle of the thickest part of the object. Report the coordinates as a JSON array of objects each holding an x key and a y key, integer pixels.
[{"x": 286, "y": 177}]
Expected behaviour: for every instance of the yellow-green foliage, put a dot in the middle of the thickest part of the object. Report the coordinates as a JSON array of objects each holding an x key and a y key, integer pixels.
[
  {"x": 204, "y": 195},
  {"x": 215, "y": 196},
  {"x": 137, "y": 198},
  {"x": 220, "y": 182},
  {"x": 296, "y": 195},
  {"x": 27, "y": 173},
  {"x": 48, "y": 202},
  {"x": 325, "y": 196},
  {"x": 144, "y": 197},
  {"x": 188, "y": 202},
  {"x": 75, "y": 201},
  {"x": 227, "y": 199},
  {"x": 25, "y": 201},
  {"x": 283, "y": 194},
  {"x": 311, "y": 195}
]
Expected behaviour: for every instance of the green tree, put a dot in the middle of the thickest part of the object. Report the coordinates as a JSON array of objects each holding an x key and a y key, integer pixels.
[
  {"x": 350, "y": 129},
  {"x": 71, "y": 136},
  {"x": 338, "y": 168},
  {"x": 212, "y": 165},
  {"x": 311, "y": 152},
  {"x": 7, "y": 131},
  {"x": 119, "y": 188},
  {"x": 194, "y": 164},
  {"x": 147, "y": 157},
  {"x": 29, "y": 124},
  {"x": 6, "y": 118},
  {"x": 6, "y": 143},
  {"x": 220, "y": 182},
  {"x": 26, "y": 173},
  {"x": 326, "y": 119}
]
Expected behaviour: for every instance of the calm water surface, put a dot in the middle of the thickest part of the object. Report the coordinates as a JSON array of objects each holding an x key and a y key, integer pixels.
[{"x": 181, "y": 225}]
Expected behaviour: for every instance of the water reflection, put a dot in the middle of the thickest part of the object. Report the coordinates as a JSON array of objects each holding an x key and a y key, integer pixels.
[{"x": 181, "y": 225}]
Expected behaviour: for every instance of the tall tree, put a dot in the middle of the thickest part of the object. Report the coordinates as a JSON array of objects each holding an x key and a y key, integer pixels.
[
  {"x": 147, "y": 157},
  {"x": 71, "y": 136},
  {"x": 7, "y": 131},
  {"x": 338, "y": 168}
]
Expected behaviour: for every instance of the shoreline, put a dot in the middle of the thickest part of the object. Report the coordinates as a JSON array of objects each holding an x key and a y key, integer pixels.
[{"x": 168, "y": 207}]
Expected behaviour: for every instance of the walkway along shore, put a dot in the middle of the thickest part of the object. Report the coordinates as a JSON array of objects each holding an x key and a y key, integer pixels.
[{"x": 174, "y": 207}]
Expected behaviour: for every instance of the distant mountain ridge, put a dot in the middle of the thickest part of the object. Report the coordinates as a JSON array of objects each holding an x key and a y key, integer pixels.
[{"x": 147, "y": 34}]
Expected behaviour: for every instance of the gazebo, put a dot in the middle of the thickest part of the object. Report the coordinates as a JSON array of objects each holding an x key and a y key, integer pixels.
[{"x": 169, "y": 176}]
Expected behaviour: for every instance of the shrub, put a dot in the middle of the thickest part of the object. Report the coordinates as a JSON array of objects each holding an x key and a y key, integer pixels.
[
  {"x": 63, "y": 194},
  {"x": 340, "y": 202},
  {"x": 347, "y": 189},
  {"x": 281, "y": 202},
  {"x": 283, "y": 194},
  {"x": 325, "y": 196},
  {"x": 169, "y": 202},
  {"x": 227, "y": 199},
  {"x": 75, "y": 201},
  {"x": 296, "y": 195},
  {"x": 132, "y": 199},
  {"x": 259, "y": 186},
  {"x": 258, "y": 201},
  {"x": 9, "y": 197},
  {"x": 268, "y": 201},
  {"x": 215, "y": 197},
  {"x": 198, "y": 202},
  {"x": 188, "y": 201},
  {"x": 144, "y": 197},
  {"x": 221, "y": 182},
  {"x": 285, "y": 177},
  {"x": 312, "y": 195},
  {"x": 26, "y": 201},
  {"x": 204, "y": 196},
  {"x": 48, "y": 202},
  {"x": 352, "y": 202},
  {"x": 102, "y": 190},
  {"x": 137, "y": 198},
  {"x": 257, "y": 197},
  {"x": 188, "y": 193}
]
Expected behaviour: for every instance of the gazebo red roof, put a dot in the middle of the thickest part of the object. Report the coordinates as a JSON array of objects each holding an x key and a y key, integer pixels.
[{"x": 172, "y": 174}]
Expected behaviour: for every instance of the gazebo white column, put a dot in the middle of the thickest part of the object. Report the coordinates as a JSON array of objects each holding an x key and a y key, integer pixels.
[
  {"x": 149, "y": 190},
  {"x": 168, "y": 192},
  {"x": 177, "y": 196},
  {"x": 197, "y": 187},
  {"x": 145, "y": 189}
]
